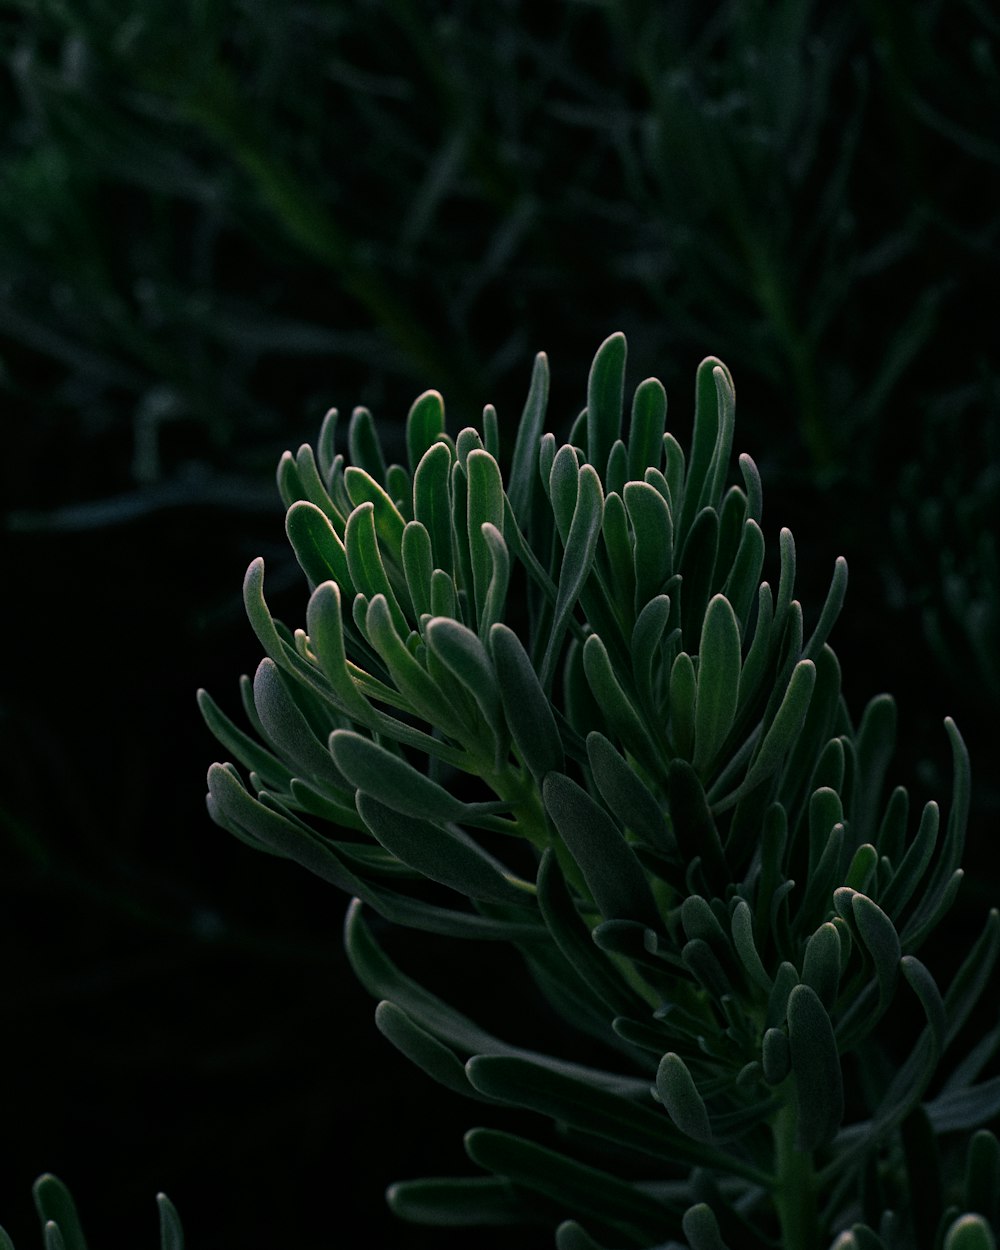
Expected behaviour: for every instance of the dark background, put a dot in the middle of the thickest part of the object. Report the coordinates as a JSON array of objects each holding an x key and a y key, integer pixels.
[{"x": 218, "y": 219}]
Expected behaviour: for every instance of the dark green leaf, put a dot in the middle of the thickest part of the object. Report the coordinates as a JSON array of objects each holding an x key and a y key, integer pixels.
[
  {"x": 618, "y": 709},
  {"x": 653, "y": 531},
  {"x": 289, "y": 729},
  {"x": 450, "y": 858},
  {"x": 718, "y": 682},
  {"x": 422, "y": 1048},
  {"x": 605, "y": 396},
  {"x": 776, "y": 1056},
  {"x": 982, "y": 1175},
  {"x": 465, "y": 1202},
  {"x": 680, "y": 1096},
  {"x": 326, "y": 636},
  {"x": 319, "y": 551},
  {"x": 613, "y": 874},
  {"x": 819, "y": 1086},
  {"x": 831, "y": 610},
  {"x": 523, "y": 471},
  {"x": 424, "y": 423},
  {"x": 171, "y": 1232},
  {"x": 570, "y": 1236},
  {"x": 364, "y": 561},
  {"x": 54, "y": 1203},
  {"x": 529, "y": 713},
  {"x": 746, "y": 947},
  {"x": 616, "y": 474},
  {"x": 579, "y": 1188},
  {"x": 697, "y": 567},
  {"x": 645, "y": 436},
  {"x": 578, "y": 558},
  {"x": 701, "y": 1228},
  {"x": 914, "y": 864},
  {"x": 744, "y": 577},
  {"x": 486, "y": 504},
  {"x": 969, "y": 1232},
  {"x": 432, "y": 502},
  {"x": 371, "y": 768},
  {"x": 882, "y": 942},
  {"x": 418, "y": 566},
  {"x": 821, "y": 964},
  {"x": 389, "y": 522},
  {"x": 363, "y": 444},
  {"x": 626, "y": 794},
  {"x": 693, "y": 825}
]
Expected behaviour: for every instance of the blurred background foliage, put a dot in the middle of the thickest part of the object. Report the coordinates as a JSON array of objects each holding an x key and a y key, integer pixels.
[{"x": 218, "y": 218}]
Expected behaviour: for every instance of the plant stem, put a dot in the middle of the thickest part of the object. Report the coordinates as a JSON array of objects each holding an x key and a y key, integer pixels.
[{"x": 795, "y": 1191}]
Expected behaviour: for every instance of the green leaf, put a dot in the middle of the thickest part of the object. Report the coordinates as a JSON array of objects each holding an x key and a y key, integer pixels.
[
  {"x": 649, "y": 649},
  {"x": 318, "y": 549},
  {"x": 389, "y": 523},
  {"x": 289, "y": 729},
  {"x": 462, "y": 653},
  {"x": 780, "y": 736},
  {"x": 523, "y": 470},
  {"x": 718, "y": 682},
  {"x": 424, "y": 424},
  {"x": 706, "y": 443},
  {"x": 582, "y": 1105},
  {"x": 613, "y": 874},
  {"x": 53, "y": 1237},
  {"x": 761, "y": 648},
  {"x": 645, "y": 436},
  {"x": 618, "y": 545},
  {"x": 831, "y": 610},
  {"x": 819, "y": 1086},
  {"x": 616, "y": 474},
  {"x": 563, "y": 489},
  {"x": 371, "y": 768},
  {"x": 422, "y": 1048},
  {"x": 742, "y": 583},
  {"x": 363, "y": 444},
  {"x": 626, "y": 794},
  {"x": 696, "y": 567},
  {"x": 605, "y": 396},
  {"x": 693, "y": 825},
  {"x": 450, "y": 858},
  {"x": 751, "y": 480},
  {"x": 171, "y": 1232},
  {"x": 418, "y": 566},
  {"x": 432, "y": 502},
  {"x": 572, "y": 936},
  {"x": 55, "y": 1204},
  {"x": 973, "y": 976},
  {"x": 821, "y": 964},
  {"x": 410, "y": 678},
  {"x": 873, "y": 745},
  {"x": 701, "y": 1228},
  {"x": 741, "y": 927},
  {"x": 528, "y": 711},
  {"x": 578, "y": 559},
  {"x": 680, "y": 1096},
  {"x": 571, "y": 1236},
  {"x": 618, "y": 709},
  {"x": 486, "y": 505},
  {"x": 776, "y": 1056},
  {"x": 496, "y": 588},
  {"x": 683, "y": 704},
  {"x": 786, "y": 580},
  {"x": 969, "y": 1232},
  {"x": 364, "y": 562},
  {"x": 907, "y": 876},
  {"x": 326, "y": 636},
  {"x": 982, "y": 1174},
  {"x": 652, "y": 553},
  {"x": 882, "y": 942},
  {"x": 577, "y": 1187},
  {"x": 247, "y": 750},
  {"x": 465, "y": 1202}
]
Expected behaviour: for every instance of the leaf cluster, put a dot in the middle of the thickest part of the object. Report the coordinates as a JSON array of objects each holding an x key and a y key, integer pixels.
[{"x": 567, "y": 713}]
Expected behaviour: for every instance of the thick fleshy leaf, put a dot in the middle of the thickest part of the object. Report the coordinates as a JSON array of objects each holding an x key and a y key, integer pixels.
[
  {"x": 424, "y": 423},
  {"x": 982, "y": 1174},
  {"x": 364, "y": 445},
  {"x": 528, "y": 711},
  {"x": 571, "y": 1236},
  {"x": 432, "y": 501},
  {"x": 613, "y": 874},
  {"x": 653, "y": 530},
  {"x": 819, "y": 1085},
  {"x": 831, "y": 610},
  {"x": 54, "y": 1203},
  {"x": 364, "y": 561},
  {"x": 605, "y": 396},
  {"x": 746, "y": 947},
  {"x": 776, "y": 1056},
  {"x": 572, "y": 936},
  {"x": 450, "y": 858},
  {"x": 462, "y": 653},
  {"x": 780, "y": 735},
  {"x": 523, "y": 474},
  {"x": 389, "y": 522},
  {"x": 882, "y": 942},
  {"x": 969, "y": 1232},
  {"x": 821, "y": 964},
  {"x": 645, "y": 436},
  {"x": 914, "y": 863},
  {"x": 171, "y": 1231},
  {"x": 693, "y": 825},
  {"x": 680, "y": 1096},
  {"x": 582, "y": 1105},
  {"x": 618, "y": 709},
  {"x": 375, "y": 770},
  {"x": 616, "y": 474},
  {"x": 418, "y": 566},
  {"x": 578, "y": 559},
  {"x": 706, "y": 438},
  {"x": 318, "y": 549},
  {"x": 579, "y": 1188},
  {"x": 288, "y": 728},
  {"x": 701, "y": 1228},
  {"x": 422, "y": 1048},
  {"x": 718, "y": 682},
  {"x": 462, "y": 1202},
  {"x": 626, "y": 794},
  {"x": 486, "y": 504},
  {"x": 697, "y": 567}
]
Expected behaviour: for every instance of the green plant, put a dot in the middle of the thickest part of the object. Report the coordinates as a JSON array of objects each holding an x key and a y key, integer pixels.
[{"x": 567, "y": 714}]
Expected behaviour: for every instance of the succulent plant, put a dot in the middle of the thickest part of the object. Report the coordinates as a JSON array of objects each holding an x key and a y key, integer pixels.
[{"x": 566, "y": 713}]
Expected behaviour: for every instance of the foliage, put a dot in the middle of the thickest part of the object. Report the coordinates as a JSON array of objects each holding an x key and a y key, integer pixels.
[{"x": 659, "y": 751}]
